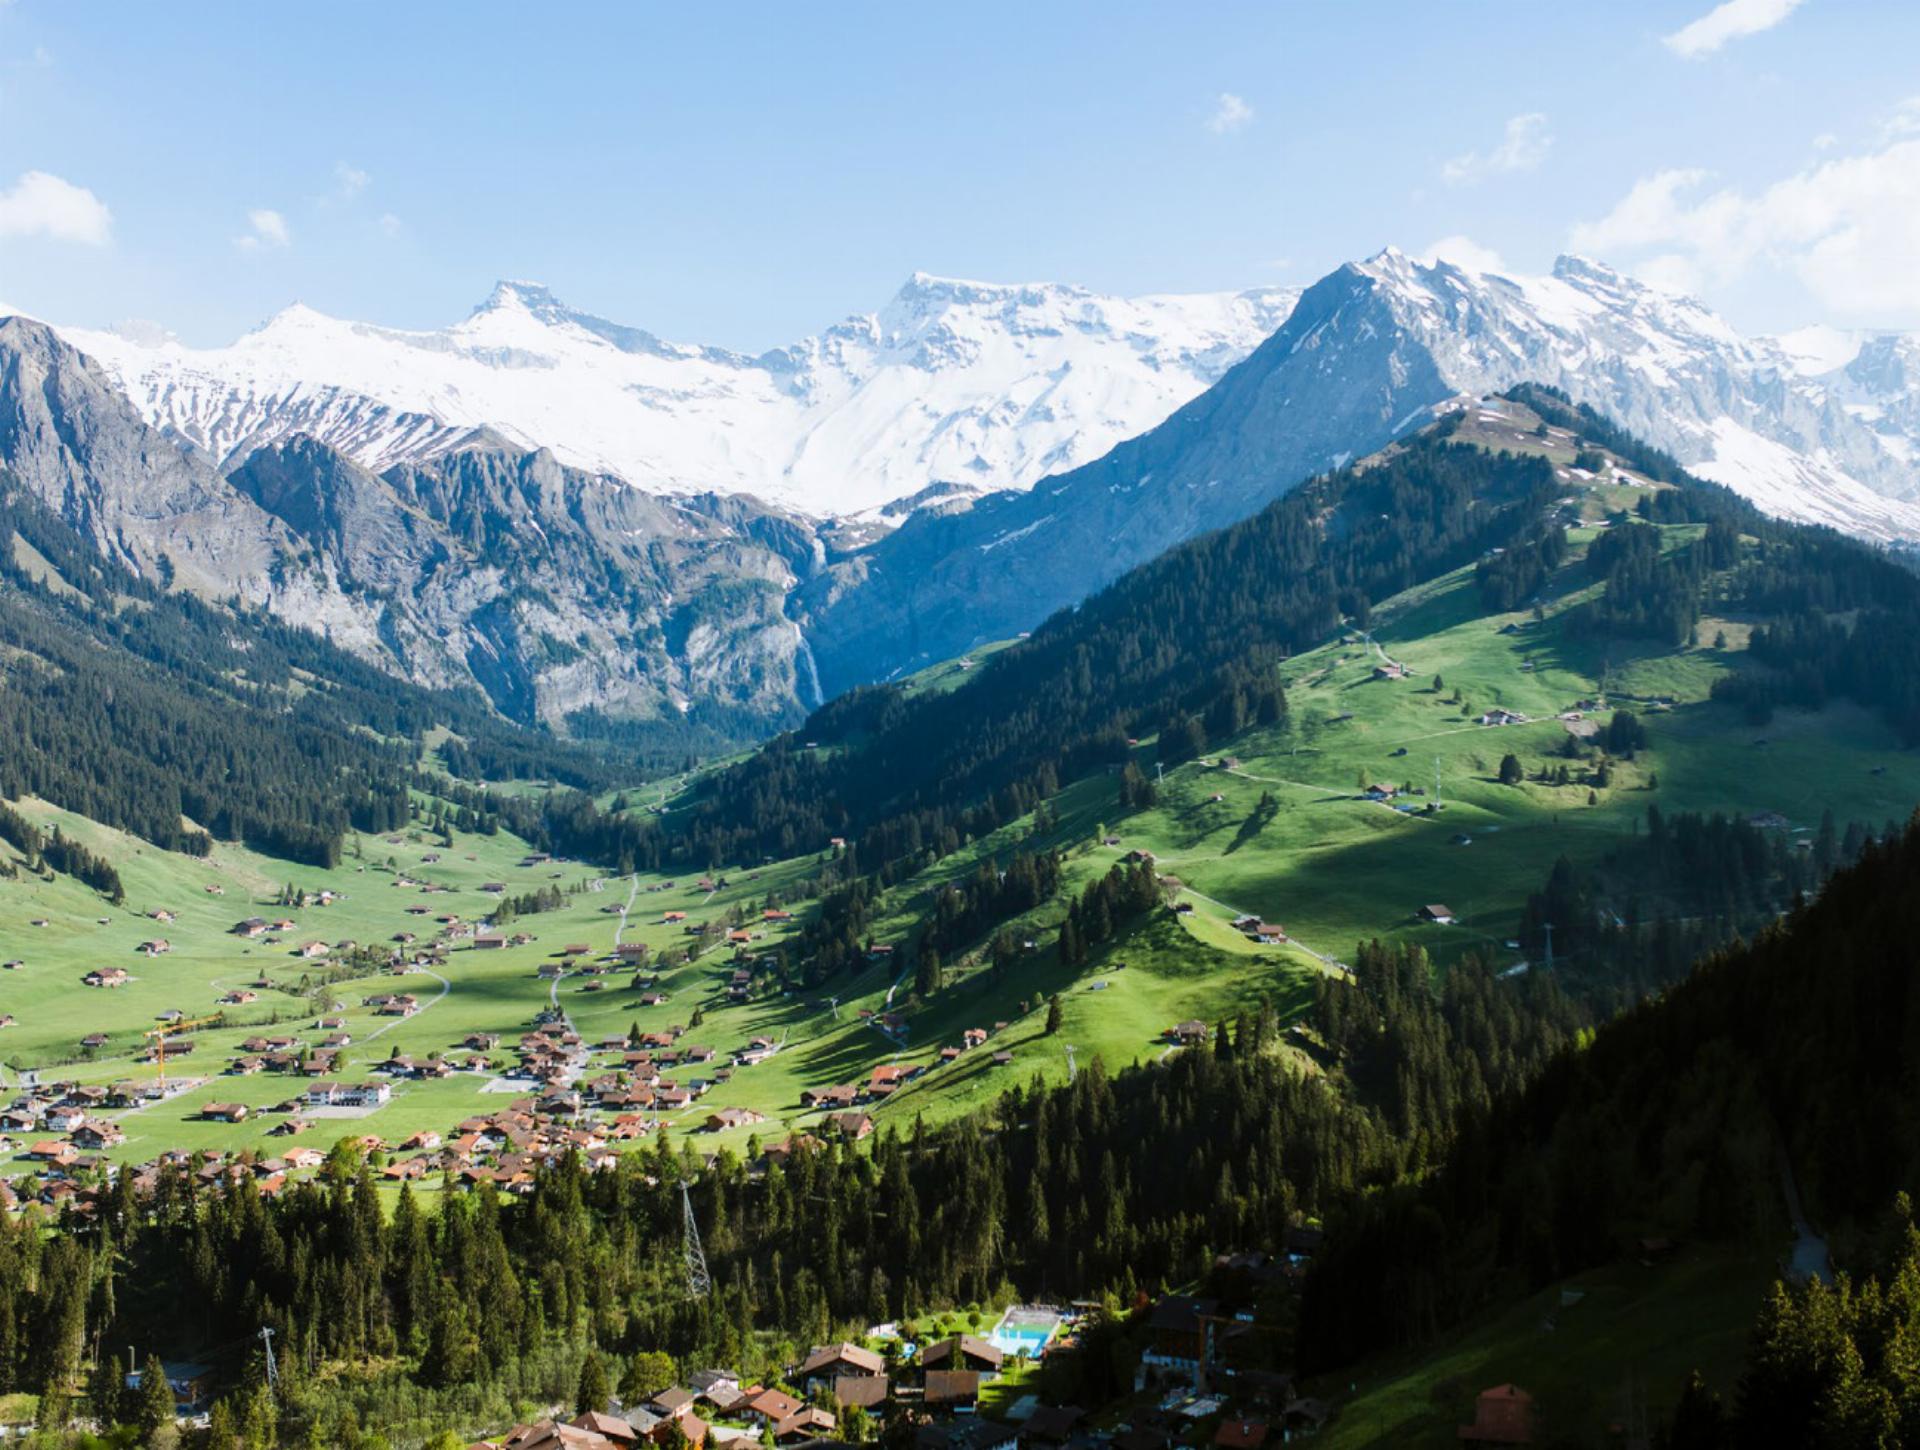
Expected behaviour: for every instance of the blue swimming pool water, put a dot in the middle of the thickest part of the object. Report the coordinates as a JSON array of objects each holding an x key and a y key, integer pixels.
[{"x": 1021, "y": 1339}]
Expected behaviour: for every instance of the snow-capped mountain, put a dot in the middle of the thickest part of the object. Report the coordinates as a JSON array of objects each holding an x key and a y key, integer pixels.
[
  {"x": 1791, "y": 427},
  {"x": 1368, "y": 353},
  {"x": 967, "y": 383}
]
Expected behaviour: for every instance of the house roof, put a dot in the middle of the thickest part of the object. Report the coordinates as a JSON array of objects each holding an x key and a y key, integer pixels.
[
  {"x": 827, "y": 1355},
  {"x": 868, "y": 1390},
  {"x": 944, "y": 1386},
  {"x": 966, "y": 1346},
  {"x": 1053, "y": 1422},
  {"x": 601, "y": 1423},
  {"x": 774, "y": 1404},
  {"x": 1181, "y": 1313}
]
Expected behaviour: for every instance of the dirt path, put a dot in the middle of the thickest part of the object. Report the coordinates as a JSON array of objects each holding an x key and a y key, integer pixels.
[{"x": 1331, "y": 964}]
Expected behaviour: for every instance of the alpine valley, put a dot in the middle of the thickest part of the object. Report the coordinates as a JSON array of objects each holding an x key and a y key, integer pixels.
[{"x": 1037, "y": 870}]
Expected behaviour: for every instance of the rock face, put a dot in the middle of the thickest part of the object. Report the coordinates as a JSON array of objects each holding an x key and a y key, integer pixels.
[
  {"x": 376, "y": 501},
  {"x": 555, "y": 591}
]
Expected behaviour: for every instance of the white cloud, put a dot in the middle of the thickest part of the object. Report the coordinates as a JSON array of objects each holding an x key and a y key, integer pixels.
[
  {"x": 391, "y": 225},
  {"x": 1825, "y": 141},
  {"x": 350, "y": 179},
  {"x": 1730, "y": 21},
  {"x": 1230, "y": 114},
  {"x": 1905, "y": 120},
  {"x": 1523, "y": 146},
  {"x": 42, "y": 205},
  {"x": 269, "y": 229},
  {"x": 1847, "y": 229},
  {"x": 1465, "y": 253}
]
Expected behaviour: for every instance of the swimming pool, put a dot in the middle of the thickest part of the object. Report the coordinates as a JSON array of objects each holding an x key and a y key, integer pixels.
[{"x": 1024, "y": 1331}]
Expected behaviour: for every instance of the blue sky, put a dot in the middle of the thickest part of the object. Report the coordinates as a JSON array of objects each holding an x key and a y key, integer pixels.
[{"x": 746, "y": 175}]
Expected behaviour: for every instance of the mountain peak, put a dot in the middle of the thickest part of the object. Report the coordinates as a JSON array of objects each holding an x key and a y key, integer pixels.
[{"x": 526, "y": 296}]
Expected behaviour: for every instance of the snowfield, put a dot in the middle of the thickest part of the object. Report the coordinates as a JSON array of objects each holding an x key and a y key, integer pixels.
[{"x": 971, "y": 383}]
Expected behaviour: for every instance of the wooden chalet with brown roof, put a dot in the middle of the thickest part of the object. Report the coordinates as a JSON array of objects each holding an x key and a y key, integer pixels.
[{"x": 1503, "y": 1415}]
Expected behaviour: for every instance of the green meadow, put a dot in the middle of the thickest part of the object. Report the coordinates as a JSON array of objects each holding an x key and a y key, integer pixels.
[{"x": 1273, "y": 824}]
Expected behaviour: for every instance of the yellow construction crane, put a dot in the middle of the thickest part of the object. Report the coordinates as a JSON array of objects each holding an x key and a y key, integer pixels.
[{"x": 159, "y": 1036}]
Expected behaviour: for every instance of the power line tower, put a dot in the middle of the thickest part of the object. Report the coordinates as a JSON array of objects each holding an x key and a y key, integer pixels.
[
  {"x": 1436, "y": 782},
  {"x": 698, "y": 1280},
  {"x": 1070, "y": 1066},
  {"x": 273, "y": 1370}
]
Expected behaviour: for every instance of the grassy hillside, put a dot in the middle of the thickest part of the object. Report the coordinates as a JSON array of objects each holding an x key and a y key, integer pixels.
[
  {"x": 1588, "y": 1349},
  {"x": 1272, "y": 822}
]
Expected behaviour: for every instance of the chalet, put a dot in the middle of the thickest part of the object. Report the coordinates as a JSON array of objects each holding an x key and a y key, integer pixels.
[
  {"x": 809, "y": 1422},
  {"x": 575, "y": 949},
  {"x": 1186, "y": 1034},
  {"x": 608, "y": 1427},
  {"x": 1503, "y": 717},
  {"x": 240, "y": 996},
  {"x": 1391, "y": 670},
  {"x": 94, "y": 1040},
  {"x": 774, "y": 915},
  {"x": 1001, "y": 1059},
  {"x": 868, "y": 1391},
  {"x": 1502, "y": 1415},
  {"x": 631, "y": 951},
  {"x": 704, "y": 1382},
  {"x": 489, "y": 941},
  {"x": 1378, "y": 792},
  {"x": 880, "y": 952},
  {"x": 845, "y": 1095},
  {"x": 963, "y": 1352},
  {"x": 154, "y": 947},
  {"x": 303, "y": 1157},
  {"x": 98, "y": 1135},
  {"x": 1437, "y": 915},
  {"x": 672, "y": 1403},
  {"x": 951, "y": 1389},
  {"x": 973, "y": 1037},
  {"x": 246, "y": 1066},
  {"x": 163, "y": 916},
  {"x": 54, "y": 1151},
  {"x": 831, "y": 1361},
  {"x": 851, "y": 1126},
  {"x": 224, "y": 1112},
  {"x": 888, "y": 1077},
  {"x": 65, "y": 1118},
  {"x": 252, "y": 927},
  {"x": 1269, "y": 933},
  {"x": 107, "y": 977},
  {"x": 949, "y": 1054},
  {"x": 769, "y": 1406}
]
